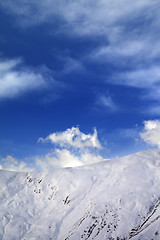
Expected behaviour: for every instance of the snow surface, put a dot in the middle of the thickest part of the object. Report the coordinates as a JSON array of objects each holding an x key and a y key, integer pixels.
[{"x": 116, "y": 199}]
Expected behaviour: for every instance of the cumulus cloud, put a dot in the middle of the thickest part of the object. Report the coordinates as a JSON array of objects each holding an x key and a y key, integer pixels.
[
  {"x": 58, "y": 158},
  {"x": 75, "y": 148},
  {"x": 67, "y": 158},
  {"x": 73, "y": 137},
  {"x": 12, "y": 164},
  {"x": 151, "y": 132},
  {"x": 15, "y": 79}
]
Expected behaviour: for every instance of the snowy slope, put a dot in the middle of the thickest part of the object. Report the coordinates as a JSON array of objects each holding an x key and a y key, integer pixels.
[{"x": 116, "y": 199}]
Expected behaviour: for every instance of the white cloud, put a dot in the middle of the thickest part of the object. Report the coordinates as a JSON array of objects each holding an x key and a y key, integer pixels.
[
  {"x": 16, "y": 79},
  {"x": 151, "y": 132},
  {"x": 67, "y": 158},
  {"x": 58, "y": 158},
  {"x": 12, "y": 164},
  {"x": 74, "y": 149},
  {"x": 73, "y": 137}
]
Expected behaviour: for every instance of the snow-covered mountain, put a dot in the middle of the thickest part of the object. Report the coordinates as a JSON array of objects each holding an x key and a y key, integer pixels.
[{"x": 116, "y": 199}]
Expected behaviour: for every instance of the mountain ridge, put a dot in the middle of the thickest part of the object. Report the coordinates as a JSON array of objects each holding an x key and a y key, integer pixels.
[{"x": 114, "y": 199}]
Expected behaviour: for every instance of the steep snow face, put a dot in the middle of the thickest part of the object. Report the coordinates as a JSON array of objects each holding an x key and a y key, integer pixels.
[{"x": 116, "y": 199}]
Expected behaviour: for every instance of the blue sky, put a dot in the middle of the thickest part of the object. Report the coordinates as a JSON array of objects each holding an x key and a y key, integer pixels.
[{"x": 87, "y": 64}]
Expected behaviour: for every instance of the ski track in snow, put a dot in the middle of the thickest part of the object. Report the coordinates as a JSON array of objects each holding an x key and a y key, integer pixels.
[{"x": 114, "y": 200}]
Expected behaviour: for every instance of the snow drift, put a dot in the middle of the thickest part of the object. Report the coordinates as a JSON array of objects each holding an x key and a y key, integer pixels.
[{"x": 117, "y": 199}]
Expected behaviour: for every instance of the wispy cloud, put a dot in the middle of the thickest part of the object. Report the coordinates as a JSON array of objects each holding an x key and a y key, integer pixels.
[
  {"x": 104, "y": 102},
  {"x": 147, "y": 79},
  {"x": 17, "y": 79},
  {"x": 153, "y": 109},
  {"x": 129, "y": 32},
  {"x": 79, "y": 16},
  {"x": 140, "y": 78},
  {"x": 72, "y": 65}
]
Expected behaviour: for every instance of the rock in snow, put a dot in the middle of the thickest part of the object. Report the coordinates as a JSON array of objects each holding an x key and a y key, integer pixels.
[{"x": 116, "y": 199}]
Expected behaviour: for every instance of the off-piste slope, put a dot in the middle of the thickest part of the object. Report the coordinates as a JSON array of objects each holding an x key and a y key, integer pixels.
[{"x": 115, "y": 199}]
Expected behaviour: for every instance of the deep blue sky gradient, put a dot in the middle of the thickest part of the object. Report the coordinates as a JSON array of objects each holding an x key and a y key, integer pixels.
[{"x": 78, "y": 80}]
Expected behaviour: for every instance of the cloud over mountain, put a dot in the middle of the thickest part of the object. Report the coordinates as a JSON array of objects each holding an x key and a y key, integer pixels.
[
  {"x": 73, "y": 148},
  {"x": 151, "y": 132},
  {"x": 12, "y": 164},
  {"x": 73, "y": 137}
]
